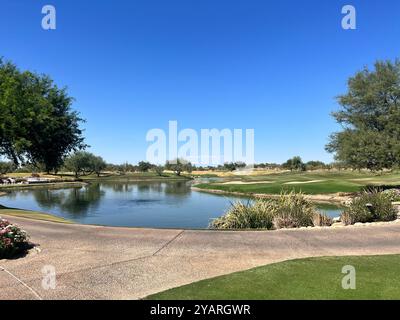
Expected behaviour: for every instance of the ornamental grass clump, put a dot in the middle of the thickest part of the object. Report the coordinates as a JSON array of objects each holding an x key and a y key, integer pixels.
[
  {"x": 293, "y": 210},
  {"x": 370, "y": 207},
  {"x": 290, "y": 210},
  {"x": 13, "y": 240},
  {"x": 253, "y": 215},
  {"x": 393, "y": 194},
  {"x": 322, "y": 220}
]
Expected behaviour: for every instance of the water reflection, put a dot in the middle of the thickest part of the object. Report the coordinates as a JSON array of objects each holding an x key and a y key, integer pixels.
[
  {"x": 75, "y": 201},
  {"x": 139, "y": 204}
]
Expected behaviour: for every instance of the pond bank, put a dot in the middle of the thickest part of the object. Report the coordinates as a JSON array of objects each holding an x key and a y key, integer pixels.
[
  {"x": 318, "y": 198},
  {"x": 50, "y": 185}
]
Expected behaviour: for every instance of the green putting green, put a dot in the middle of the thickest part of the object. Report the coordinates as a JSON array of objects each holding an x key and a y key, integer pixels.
[
  {"x": 376, "y": 277},
  {"x": 307, "y": 182}
]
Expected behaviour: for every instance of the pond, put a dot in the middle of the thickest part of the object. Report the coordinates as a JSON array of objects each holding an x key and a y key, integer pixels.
[{"x": 131, "y": 204}]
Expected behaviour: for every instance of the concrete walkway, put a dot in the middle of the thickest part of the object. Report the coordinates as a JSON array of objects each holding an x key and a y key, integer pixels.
[{"x": 93, "y": 262}]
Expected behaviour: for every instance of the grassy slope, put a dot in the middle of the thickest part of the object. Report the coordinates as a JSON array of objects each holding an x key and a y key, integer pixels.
[
  {"x": 377, "y": 277},
  {"x": 31, "y": 215},
  {"x": 333, "y": 182}
]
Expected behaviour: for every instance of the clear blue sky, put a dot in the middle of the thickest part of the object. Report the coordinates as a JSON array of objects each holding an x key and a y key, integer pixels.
[{"x": 274, "y": 66}]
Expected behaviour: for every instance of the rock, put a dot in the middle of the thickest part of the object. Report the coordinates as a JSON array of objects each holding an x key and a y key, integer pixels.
[{"x": 336, "y": 219}]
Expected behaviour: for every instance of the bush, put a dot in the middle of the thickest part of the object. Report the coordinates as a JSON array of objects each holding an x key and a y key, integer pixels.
[
  {"x": 322, "y": 220},
  {"x": 369, "y": 207},
  {"x": 393, "y": 194},
  {"x": 13, "y": 240},
  {"x": 257, "y": 215},
  {"x": 291, "y": 210}
]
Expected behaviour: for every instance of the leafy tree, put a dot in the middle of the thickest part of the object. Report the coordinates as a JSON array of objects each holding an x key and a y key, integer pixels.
[
  {"x": 313, "y": 165},
  {"x": 370, "y": 117},
  {"x": 80, "y": 163},
  {"x": 144, "y": 166},
  {"x": 37, "y": 124},
  {"x": 6, "y": 167},
  {"x": 159, "y": 170},
  {"x": 294, "y": 163},
  {"x": 178, "y": 166},
  {"x": 232, "y": 166},
  {"x": 98, "y": 165}
]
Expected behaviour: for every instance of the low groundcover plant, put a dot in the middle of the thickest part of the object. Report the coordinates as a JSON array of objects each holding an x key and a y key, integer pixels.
[{"x": 13, "y": 240}]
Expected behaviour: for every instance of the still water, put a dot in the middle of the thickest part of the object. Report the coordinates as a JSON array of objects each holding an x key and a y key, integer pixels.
[{"x": 131, "y": 204}]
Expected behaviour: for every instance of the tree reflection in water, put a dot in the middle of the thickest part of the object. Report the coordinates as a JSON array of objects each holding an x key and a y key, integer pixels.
[{"x": 75, "y": 201}]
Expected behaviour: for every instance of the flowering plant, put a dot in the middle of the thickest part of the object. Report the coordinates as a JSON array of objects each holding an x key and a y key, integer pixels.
[{"x": 13, "y": 240}]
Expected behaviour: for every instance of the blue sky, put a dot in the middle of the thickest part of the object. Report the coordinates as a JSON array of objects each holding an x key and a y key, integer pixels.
[{"x": 274, "y": 66}]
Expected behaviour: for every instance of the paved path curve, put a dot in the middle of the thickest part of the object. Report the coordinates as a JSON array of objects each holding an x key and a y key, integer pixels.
[{"x": 94, "y": 262}]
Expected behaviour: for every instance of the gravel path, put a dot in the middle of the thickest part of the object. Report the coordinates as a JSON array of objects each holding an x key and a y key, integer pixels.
[{"x": 93, "y": 262}]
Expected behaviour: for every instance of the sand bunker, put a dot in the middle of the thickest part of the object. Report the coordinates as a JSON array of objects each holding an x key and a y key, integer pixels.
[
  {"x": 248, "y": 182},
  {"x": 304, "y": 182}
]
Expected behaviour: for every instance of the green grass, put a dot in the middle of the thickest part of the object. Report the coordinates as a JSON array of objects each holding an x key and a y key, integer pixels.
[
  {"x": 333, "y": 182},
  {"x": 55, "y": 185},
  {"x": 377, "y": 277},
  {"x": 35, "y": 215}
]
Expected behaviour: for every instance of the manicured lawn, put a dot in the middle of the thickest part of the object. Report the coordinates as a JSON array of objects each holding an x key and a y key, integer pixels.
[
  {"x": 377, "y": 277},
  {"x": 31, "y": 215},
  {"x": 321, "y": 183}
]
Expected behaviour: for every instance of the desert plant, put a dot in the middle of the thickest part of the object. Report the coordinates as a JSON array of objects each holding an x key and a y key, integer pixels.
[
  {"x": 393, "y": 194},
  {"x": 13, "y": 240},
  {"x": 253, "y": 215},
  {"x": 293, "y": 210},
  {"x": 369, "y": 207},
  {"x": 322, "y": 220},
  {"x": 290, "y": 210}
]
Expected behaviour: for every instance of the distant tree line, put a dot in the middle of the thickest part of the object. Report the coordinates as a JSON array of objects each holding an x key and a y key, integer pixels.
[{"x": 83, "y": 163}]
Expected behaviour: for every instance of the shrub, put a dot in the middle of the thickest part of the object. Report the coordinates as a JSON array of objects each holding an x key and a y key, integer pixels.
[
  {"x": 322, "y": 220},
  {"x": 13, "y": 240},
  {"x": 291, "y": 210},
  {"x": 370, "y": 207},
  {"x": 256, "y": 215},
  {"x": 393, "y": 194}
]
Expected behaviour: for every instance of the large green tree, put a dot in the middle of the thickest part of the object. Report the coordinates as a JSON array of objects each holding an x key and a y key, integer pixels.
[
  {"x": 83, "y": 163},
  {"x": 370, "y": 117},
  {"x": 6, "y": 167},
  {"x": 37, "y": 124},
  {"x": 178, "y": 166},
  {"x": 294, "y": 163}
]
